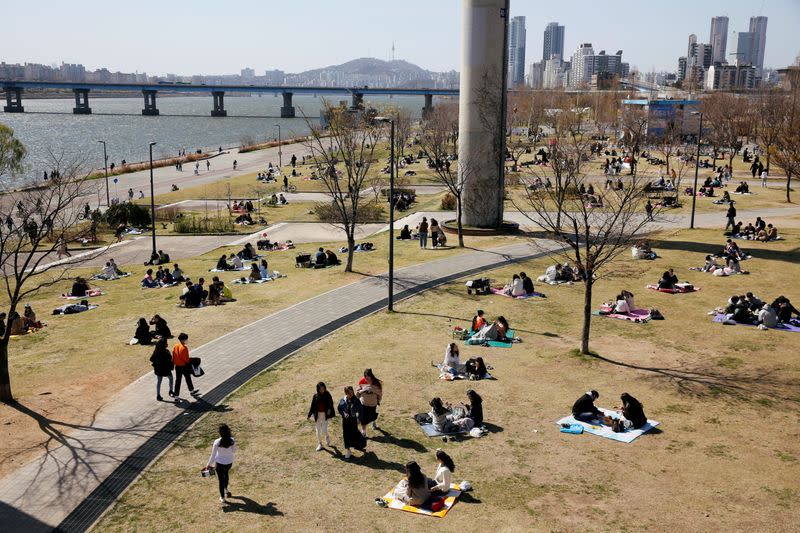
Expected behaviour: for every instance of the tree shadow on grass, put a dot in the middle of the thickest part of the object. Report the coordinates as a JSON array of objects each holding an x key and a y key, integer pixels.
[
  {"x": 791, "y": 256},
  {"x": 246, "y": 505},
  {"x": 388, "y": 438}
]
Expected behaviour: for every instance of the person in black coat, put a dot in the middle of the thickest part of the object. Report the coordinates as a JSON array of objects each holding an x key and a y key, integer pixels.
[
  {"x": 162, "y": 366},
  {"x": 322, "y": 409},
  {"x": 351, "y": 411},
  {"x": 143, "y": 334},
  {"x": 584, "y": 409},
  {"x": 633, "y": 411},
  {"x": 161, "y": 328},
  {"x": 527, "y": 283}
]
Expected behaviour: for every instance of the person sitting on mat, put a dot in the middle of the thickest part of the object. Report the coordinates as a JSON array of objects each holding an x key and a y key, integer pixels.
[
  {"x": 515, "y": 287},
  {"x": 440, "y": 484},
  {"x": 109, "y": 272},
  {"x": 255, "y": 272},
  {"x": 330, "y": 258},
  {"x": 161, "y": 329},
  {"x": 405, "y": 234},
  {"x": 413, "y": 489},
  {"x": 446, "y": 419},
  {"x": 478, "y": 321},
  {"x": 584, "y": 409},
  {"x": 668, "y": 280},
  {"x": 148, "y": 281},
  {"x": 236, "y": 262},
  {"x": 143, "y": 334},
  {"x": 475, "y": 368},
  {"x": 767, "y": 316},
  {"x": 222, "y": 264},
  {"x": 320, "y": 257},
  {"x": 80, "y": 287},
  {"x": 783, "y": 306},
  {"x": 632, "y": 412},
  {"x": 527, "y": 283},
  {"x": 474, "y": 407},
  {"x": 452, "y": 363}
]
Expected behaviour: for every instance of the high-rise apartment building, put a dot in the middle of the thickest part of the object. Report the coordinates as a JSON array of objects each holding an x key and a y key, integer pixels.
[
  {"x": 553, "y": 41},
  {"x": 758, "y": 27},
  {"x": 516, "y": 52},
  {"x": 553, "y": 72},
  {"x": 718, "y": 38},
  {"x": 744, "y": 48},
  {"x": 536, "y": 75}
]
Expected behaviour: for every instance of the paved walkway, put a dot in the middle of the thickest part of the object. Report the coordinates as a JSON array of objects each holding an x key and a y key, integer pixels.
[{"x": 72, "y": 485}]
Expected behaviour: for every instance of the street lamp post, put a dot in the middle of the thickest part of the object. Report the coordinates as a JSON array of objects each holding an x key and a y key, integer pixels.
[
  {"x": 152, "y": 198},
  {"x": 280, "y": 151},
  {"x": 105, "y": 166},
  {"x": 696, "y": 168},
  {"x": 392, "y": 168}
]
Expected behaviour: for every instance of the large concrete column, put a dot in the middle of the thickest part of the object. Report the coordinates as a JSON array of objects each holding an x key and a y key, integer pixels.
[
  {"x": 287, "y": 111},
  {"x": 219, "y": 104},
  {"x": 82, "y": 102},
  {"x": 150, "y": 108},
  {"x": 481, "y": 130},
  {"x": 427, "y": 109},
  {"x": 13, "y": 100}
]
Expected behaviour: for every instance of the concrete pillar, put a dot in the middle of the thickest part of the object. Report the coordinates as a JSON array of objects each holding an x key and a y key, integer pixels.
[
  {"x": 82, "y": 102},
  {"x": 481, "y": 130},
  {"x": 287, "y": 111},
  {"x": 428, "y": 107},
  {"x": 357, "y": 101},
  {"x": 150, "y": 108},
  {"x": 13, "y": 100},
  {"x": 219, "y": 104}
]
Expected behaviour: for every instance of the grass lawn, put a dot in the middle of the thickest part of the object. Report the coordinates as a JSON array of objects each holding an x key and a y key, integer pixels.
[
  {"x": 726, "y": 458},
  {"x": 77, "y": 362}
]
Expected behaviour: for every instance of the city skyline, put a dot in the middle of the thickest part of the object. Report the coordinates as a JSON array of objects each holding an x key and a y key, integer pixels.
[{"x": 176, "y": 42}]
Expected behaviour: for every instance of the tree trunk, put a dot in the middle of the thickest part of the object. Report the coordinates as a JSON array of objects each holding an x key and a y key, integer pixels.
[
  {"x": 351, "y": 248},
  {"x": 5, "y": 378},
  {"x": 788, "y": 187},
  {"x": 458, "y": 222},
  {"x": 587, "y": 313}
]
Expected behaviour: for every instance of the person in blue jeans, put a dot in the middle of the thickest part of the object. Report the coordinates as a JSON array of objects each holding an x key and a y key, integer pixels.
[
  {"x": 423, "y": 233},
  {"x": 584, "y": 409}
]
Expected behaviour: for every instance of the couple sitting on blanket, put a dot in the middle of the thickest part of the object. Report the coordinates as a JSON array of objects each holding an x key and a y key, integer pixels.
[
  {"x": 732, "y": 250},
  {"x": 560, "y": 274},
  {"x": 417, "y": 489},
  {"x": 325, "y": 258},
  {"x": 485, "y": 332},
  {"x": 632, "y": 412},
  {"x": 521, "y": 285},
  {"x": 624, "y": 303},
  {"x": 448, "y": 418},
  {"x": 668, "y": 280},
  {"x": 474, "y": 368},
  {"x": 109, "y": 272},
  {"x": 643, "y": 250},
  {"x": 235, "y": 264}
]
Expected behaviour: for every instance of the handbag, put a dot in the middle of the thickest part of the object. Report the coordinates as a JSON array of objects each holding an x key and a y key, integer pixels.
[
  {"x": 197, "y": 370},
  {"x": 208, "y": 471}
]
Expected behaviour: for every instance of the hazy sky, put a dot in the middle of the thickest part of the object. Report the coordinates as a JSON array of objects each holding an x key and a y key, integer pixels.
[{"x": 213, "y": 37}]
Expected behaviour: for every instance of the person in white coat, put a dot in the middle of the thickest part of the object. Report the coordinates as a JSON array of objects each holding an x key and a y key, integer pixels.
[{"x": 444, "y": 473}]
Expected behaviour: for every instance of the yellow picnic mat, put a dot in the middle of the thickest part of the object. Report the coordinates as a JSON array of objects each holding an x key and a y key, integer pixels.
[{"x": 449, "y": 502}]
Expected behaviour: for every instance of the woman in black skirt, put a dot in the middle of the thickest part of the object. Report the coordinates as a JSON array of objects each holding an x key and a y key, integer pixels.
[{"x": 351, "y": 410}]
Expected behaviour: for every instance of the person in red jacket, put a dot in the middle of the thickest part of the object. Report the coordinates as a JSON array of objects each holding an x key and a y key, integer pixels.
[{"x": 183, "y": 368}]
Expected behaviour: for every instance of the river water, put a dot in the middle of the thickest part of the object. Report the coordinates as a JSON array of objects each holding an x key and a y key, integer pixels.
[{"x": 48, "y": 125}]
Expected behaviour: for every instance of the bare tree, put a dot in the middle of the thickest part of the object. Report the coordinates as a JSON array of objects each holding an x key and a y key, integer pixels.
[
  {"x": 35, "y": 222},
  {"x": 350, "y": 140},
  {"x": 724, "y": 114},
  {"x": 592, "y": 237},
  {"x": 786, "y": 150},
  {"x": 634, "y": 126},
  {"x": 770, "y": 117},
  {"x": 403, "y": 125}
]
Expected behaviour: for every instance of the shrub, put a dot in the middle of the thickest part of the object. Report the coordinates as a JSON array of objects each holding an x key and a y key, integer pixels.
[
  {"x": 203, "y": 225},
  {"x": 367, "y": 212},
  {"x": 167, "y": 214},
  {"x": 448, "y": 202},
  {"x": 129, "y": 214}
]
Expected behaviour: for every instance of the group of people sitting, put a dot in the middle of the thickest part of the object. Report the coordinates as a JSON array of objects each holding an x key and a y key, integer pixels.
[
  {"x": 266, "y": 244},
  {"x": 418, "y": 490},
  {"x": 643, "y": 250},
  {"x": 158, "y": 258},
  {"x": 474, "y": 368},
  {"x": 239, "y": 207},
  {"x": 162, "y": 277},
  {"x": 360, "y": 247},
  {"x": 277, "y": 199},
  {"x": 403, "y": 200},
  {"x": 483, "y": 332},
  {"x": 110, "y": 272},
  {"x": 21, "y": 324},
  {"x": 730, "y": 268},
  {"x": 732, "y": 249},
  {"x": 521, "y": 285},
  {"x": 559, "y": 273},
  {"x": 235, "y": 263},
  {"x": 758, "y": 231},
  {"x": 742, "y": 188},
  {"x": 749, "y": 309},
  {"x": 197, "y": 295},
  {"x": 325, "y": 258},
  {"x": 448, "y": 418},
  {"x": 631, "y": 414},
  {"x": 144, "y": 335}
]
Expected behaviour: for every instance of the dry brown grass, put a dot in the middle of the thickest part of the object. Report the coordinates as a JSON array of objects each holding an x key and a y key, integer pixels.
[{"x": 726, "y": 458}]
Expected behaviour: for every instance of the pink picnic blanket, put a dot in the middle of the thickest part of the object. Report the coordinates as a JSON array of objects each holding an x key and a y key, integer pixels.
[
  {"x": 636, "y": 315},
  {"x": 677, "y": 290},
  {"x": 499, "y": 291}
]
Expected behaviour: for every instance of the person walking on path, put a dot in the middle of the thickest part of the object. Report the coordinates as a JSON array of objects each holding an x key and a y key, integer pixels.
[
  {"x": 731, "y": 216},
  {"x": 351, "y": 411},
  {"x": 649, "y": 209},
  {"x": 130, "y": 194},
  {"x": 61, "y": 246},
  {"x": 183, "y": 368},
  {"x": 162, "y": 366},
  {"x": 321, "y": 409},
  {"x": 370, "y": 392},
  {"x": 223, "y": 452},
  {"x": 423, "y": 233},
  {"x": 434, "y": 231},
  {"x": 208, "y": 165},
  {"x": 764, "y": 176}
]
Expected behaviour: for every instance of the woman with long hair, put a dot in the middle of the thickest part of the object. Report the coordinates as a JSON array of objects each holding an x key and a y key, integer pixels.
[
  {"x": 223, "y": 452},
  {"x": 413, "y": 489},
  {"x": 321, "y": 409},
  {"x": 370, "y": 392},
  {"x": 162, "y": 366},
  {"x": 350, "y": 409},
  {"x": 143, "y": 334},
  {"x": 444, "y": 473}
]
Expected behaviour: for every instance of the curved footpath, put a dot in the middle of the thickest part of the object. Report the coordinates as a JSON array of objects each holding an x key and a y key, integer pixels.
[{"x": 73, "y": 485}]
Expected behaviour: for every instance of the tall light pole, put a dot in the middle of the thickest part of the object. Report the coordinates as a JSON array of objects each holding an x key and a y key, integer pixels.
[
  {"x": 696, "y": 167},
  {"x": 105, "y": 166},
  {"x": 152, "y": 198},
  {"x": 280, "y": 151},
  {"x": 391, "y": 208}
]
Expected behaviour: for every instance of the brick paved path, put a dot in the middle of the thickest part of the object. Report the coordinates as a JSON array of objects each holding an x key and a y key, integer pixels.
[{"x": 85, "y": 470}]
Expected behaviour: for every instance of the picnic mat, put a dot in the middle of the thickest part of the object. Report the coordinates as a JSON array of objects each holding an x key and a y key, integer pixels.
[
  {"x": 247, "y": 281},
  {"x": 782, "y": 326},
  {"x": 450, "y": 499},
  {"x": 447, "y": 376},
  {"x": 430, "y": 431},
  {"x": 244, "y": 268},
  {"x": 678, "y": 290},
  {"x": 495, "y": 344},
  {"x": 523, "y": 297},
  {"x": 89, "y": 294},
  {"x": 123, "y": 275},
  {"x": 639, "y": 316},
  {"x": 627, "y": 436}
]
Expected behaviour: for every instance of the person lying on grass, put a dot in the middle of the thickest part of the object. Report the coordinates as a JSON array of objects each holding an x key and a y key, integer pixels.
[{"x": 449, "y": 419}]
